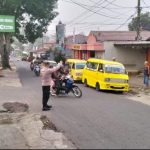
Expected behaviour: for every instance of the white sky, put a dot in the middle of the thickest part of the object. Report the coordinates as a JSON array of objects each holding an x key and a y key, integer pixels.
[{"x": 84, "y": 20}]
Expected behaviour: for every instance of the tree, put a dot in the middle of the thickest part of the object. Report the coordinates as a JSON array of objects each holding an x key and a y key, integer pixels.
[
  {"x": 32, "y": 16},
  {"x": 59, "y": 56},
  {"x": 145, "y": 22}
]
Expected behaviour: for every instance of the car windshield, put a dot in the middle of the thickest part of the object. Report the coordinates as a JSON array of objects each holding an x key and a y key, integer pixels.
[
  {"x": 80, "y": 65},
  {"x": 53, "y": 64},
  {"x": 118, "y": 69}
]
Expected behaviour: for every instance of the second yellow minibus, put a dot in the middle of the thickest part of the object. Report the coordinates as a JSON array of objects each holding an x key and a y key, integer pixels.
[{"x": 76, "y": 67}]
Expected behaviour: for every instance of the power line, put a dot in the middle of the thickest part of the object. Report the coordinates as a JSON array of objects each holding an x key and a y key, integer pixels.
[
  {"x": 109, "y": 3},
  {"x": 118, "y": 7},
  {"x": 96, "y": 23},
  {"x": 144, "y": 2},
  {"x": 106, "y": 24},
  {"x": 95, "y": 11},
  {"x": 98, "y": 10},
  {"x": 126, "y": 21},
  {"x": 85, "y": 12}
]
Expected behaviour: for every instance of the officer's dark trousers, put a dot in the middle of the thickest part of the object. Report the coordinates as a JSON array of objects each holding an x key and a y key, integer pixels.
[{"x": 46, "y": 95}]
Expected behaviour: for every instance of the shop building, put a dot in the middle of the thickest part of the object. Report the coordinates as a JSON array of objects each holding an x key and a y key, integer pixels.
[{"x": 119, "y": 44}]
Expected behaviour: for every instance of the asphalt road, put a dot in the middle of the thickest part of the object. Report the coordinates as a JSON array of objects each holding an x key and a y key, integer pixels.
[{"x": 98, "y": 120}]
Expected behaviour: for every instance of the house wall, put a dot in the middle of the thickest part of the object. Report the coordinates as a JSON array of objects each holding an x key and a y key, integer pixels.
[
  {"x": 91, "y": 39},
  {"x": 148, "y": 56},
  {"x": 131, "y": 58},
  {"x": 99, "y": 54}
]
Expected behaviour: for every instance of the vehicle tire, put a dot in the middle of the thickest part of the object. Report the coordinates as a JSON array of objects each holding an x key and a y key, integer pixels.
[
  {"x": 97, "y": 87},
  {"x": 77, "y": 91},
  {"x": 85, "y": 83},
  {"x": 37, "y": 74},
  {"x": 120, "y": 92},
  {"x": 31, "y": 67}
]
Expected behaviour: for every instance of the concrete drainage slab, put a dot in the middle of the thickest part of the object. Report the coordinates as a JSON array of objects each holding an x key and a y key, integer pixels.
[{"x": 20, "y": 129}]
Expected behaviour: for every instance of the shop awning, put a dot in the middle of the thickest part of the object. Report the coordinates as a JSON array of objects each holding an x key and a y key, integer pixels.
[
  {"x": 87, "y": 47},
  {"x": 133, "y": 44}
]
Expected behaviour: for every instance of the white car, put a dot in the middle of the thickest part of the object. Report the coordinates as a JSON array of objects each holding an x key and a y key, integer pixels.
[{"x": 52, "y": 63}]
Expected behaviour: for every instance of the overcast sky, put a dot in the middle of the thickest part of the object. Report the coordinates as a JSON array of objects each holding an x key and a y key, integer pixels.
[{"x": 87, "y": 15}]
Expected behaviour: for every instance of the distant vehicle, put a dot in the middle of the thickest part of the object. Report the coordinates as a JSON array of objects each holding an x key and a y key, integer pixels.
[
  {"x": 18, "y": 59},
  {"x": 76, "y": 67},
  {"x": 105, "y": 75},
  {"x": 37, "y": 69},
  {"x": 51, "y": 63},
  {"x": 32, "y": 66},
  {"x": 24, "y": 58},
  {"x": 30, "y": 58}
]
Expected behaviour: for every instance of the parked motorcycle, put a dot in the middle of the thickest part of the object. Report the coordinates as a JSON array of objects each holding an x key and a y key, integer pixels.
[
  {"x": 66, "y": 86},
  {"x": 37, "y": 69}
]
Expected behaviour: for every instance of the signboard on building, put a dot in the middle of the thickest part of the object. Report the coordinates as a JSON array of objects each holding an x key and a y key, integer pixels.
[
  {"x": 7, "y": 23},
  {"x": 77, "y": 47}
]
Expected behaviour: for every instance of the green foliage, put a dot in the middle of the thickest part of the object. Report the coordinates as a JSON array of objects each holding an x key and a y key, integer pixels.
[
  {"x": 59, "y": 56},
  {"x": 32, "y": 15},
  {"x": 145, "y": 22}
]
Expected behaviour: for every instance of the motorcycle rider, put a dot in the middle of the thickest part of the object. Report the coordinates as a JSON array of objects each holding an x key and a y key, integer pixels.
[{"x": 56, "y": 76}]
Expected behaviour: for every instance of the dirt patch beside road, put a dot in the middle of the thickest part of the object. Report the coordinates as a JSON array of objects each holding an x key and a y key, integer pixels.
[
  {"x": 137, "y": 86},
  {"x": 48, "y": 125},
  {"x": 15, "y": 107},
  {"x": 137, "y": 90}
]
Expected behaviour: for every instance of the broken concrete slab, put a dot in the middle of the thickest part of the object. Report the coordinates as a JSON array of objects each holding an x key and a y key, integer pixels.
[{"x": 27, "y": 130}]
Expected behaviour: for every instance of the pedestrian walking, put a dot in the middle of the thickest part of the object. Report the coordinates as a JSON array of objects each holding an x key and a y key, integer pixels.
[
  {"x": 46, "y": 78},
  {"x": 146, "y": 74}
]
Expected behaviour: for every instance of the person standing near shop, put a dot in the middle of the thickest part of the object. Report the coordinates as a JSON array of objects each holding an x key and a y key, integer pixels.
[
  {"x": 46, "y": 78},
  {"x": 146, "y": 74}
]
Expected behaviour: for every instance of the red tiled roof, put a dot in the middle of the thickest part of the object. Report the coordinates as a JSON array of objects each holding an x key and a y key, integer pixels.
[
  {"x": 71, "y": 36},
  {"x": 118, "y": 35}
]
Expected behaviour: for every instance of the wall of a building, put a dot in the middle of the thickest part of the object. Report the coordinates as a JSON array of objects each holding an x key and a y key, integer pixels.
[
  {"x": 99, "y": 55},
  {"x": 131, "y": 58},
  {"x": 91, "y": 39},
  {"x": 148, "y": 56}
]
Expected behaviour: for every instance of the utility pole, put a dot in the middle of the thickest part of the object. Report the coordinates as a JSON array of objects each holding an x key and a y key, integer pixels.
[
  {"x": 138, "y": 37},
  {"x": 74, "y": 36}
]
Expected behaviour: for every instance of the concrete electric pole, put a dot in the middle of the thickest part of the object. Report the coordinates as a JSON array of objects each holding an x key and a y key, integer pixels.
[{"x": 138, "y": 37}]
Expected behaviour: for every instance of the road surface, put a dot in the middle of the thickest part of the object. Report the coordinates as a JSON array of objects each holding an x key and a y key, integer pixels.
[{"x": 98, "y": 120}]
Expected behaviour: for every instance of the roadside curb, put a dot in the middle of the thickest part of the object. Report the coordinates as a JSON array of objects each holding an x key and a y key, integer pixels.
[{"x": 10, "y": 77}]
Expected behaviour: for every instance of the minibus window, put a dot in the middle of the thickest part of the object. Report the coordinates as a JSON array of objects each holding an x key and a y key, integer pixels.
[
  {"x": 115, "y": 69},
  {"x": 94, "y": 66},
  {"x": 89, "y": 65},
  {"x": 73, "y": 66},
  {"x": 80, "y": 65},
  {"x": 70, "y": 66},
  {"x": 100, "y": 69}
]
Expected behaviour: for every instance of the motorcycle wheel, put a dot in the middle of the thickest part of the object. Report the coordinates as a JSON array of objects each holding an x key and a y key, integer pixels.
[
  {"x": 37, "y": 74},
  {"x": 31, "y": 67},
  {"x": 77, "y": 91}
]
